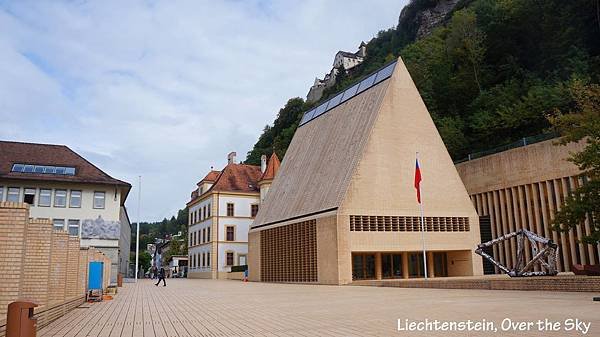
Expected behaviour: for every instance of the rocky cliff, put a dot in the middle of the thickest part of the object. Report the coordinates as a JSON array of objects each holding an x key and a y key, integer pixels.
[{"x": 420, "y": 17}]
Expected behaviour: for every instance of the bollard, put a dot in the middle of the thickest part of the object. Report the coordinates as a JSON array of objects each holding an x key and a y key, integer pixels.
[{"x": 20, "y": 321}]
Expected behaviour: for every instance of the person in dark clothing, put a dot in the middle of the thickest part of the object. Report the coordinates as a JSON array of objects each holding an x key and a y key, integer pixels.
[{"x": 161, "y": 276}]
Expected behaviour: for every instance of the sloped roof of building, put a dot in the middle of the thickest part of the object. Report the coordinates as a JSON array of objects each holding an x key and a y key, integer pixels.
[
  {"x": 272, "y": 168},
  {"x": 321, "y": 158},
  {"x": 51, "y": 155},
  {"x": 238, "y": 178},
  {"x": 348, "y": 54},
  {"x": 211, "y": 177}
]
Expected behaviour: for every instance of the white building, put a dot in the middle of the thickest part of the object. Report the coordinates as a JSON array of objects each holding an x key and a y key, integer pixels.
[
  {"x": 342, "y": 61},
  {"x": 75, "y": 195},
  {"x": 221, "y": 210}
]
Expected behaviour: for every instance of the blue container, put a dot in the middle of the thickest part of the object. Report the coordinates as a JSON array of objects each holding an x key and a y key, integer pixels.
[{"x": 95, "y": 275}]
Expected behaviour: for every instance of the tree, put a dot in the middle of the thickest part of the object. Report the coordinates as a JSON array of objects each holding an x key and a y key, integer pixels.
[
  {"x": 467, "y": 41},
  {"x": 144, "y": 259},
  {"x": 582, "y": 124}
]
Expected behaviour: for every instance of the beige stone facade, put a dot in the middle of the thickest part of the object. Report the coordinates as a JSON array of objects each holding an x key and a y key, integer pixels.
[
  {"x": 351, "y": 171},
  {"x": 42, "y": 265},
  {"x": 523, "y": 188}
]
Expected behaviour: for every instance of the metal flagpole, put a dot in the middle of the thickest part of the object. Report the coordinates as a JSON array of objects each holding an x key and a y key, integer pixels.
[
  {"x": 423, "y": 228},
  {"x": 137, "y": 231}
]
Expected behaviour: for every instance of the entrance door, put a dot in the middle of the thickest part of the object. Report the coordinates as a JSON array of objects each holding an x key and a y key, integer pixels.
[
  {"x": 363, "y": 266},
  {"x": 391, "y": 265},
  {"x": 440, "y": 264},
  {"x": 415, "y": 265}
]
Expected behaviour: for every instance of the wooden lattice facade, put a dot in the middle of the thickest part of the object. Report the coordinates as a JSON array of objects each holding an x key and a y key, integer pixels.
[
  {"x": 372, "y": 223},
  {"x": 289, "y": 253}
]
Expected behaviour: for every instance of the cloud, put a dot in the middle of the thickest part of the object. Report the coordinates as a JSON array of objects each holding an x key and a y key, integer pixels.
[{"x": 165, "y": 89}]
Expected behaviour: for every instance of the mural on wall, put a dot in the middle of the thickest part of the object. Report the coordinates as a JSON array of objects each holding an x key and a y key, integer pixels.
[{"x": 100, "y": 229}]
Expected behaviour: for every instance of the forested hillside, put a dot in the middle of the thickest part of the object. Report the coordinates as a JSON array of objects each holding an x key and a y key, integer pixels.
[
  {"x": 149, "y": 231},
  {"x": 489, "y": 76}
]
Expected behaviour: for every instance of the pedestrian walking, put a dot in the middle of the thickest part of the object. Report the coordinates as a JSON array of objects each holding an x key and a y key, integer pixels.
[{"x": 161, "y": 276}]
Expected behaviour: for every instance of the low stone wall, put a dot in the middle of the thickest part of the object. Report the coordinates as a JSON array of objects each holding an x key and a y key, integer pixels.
[
  {"x": 41, "y": 265},
  {"x": 569, "y": 283}
]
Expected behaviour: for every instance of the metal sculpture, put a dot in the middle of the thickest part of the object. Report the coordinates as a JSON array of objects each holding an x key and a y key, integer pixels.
[{"x": 545, "y": 256}]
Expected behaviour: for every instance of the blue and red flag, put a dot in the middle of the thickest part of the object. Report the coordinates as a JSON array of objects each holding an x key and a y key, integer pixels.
[{"x": 418, "y": 181}]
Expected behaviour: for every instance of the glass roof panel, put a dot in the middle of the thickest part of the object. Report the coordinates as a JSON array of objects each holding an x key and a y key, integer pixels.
[
  {"x": 366, "y": 83},
  {"x": 307, "y": 117},
  {"x": 320, "y": 110},
  {"x": 385, "y": 72},
  {"x": 350, "y": 92},
  {"x": 335, "y": 101}
]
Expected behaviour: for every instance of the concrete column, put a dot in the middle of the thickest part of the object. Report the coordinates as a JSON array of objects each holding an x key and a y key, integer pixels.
[
  {"x": 430, "y": 269},
  {"x": 591, "y": 253},
  {"x": 378, "y": 271},
  {"x": 405, "y": 265},
  {"x": 564, "y": 262},
  {"x": 491, "y": 214}
]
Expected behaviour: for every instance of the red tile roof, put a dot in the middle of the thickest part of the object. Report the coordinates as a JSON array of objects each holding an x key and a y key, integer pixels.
[
  {"x": 240, "y": 178},
  {"x": 211, "y": 177},
  {"x": 272, "y": 168},
  {"x": 54, "y": 155}
]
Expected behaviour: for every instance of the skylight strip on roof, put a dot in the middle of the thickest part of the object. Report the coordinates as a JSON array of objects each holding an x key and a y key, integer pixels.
[
  {"x": 43, "y": 169},
  {"x": 371, "y": 80}
]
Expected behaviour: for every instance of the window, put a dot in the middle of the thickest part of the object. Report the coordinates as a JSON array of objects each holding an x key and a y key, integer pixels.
[
  {"x": 203, "y": 235},
  {"x": 230, "y": 233},
  {"x": 253, "y": 210},
  {"x": 204, "y": 212},
  {"x": 242, "y": 260},
  {"x": 208, "y": 259},
  {"x": 29, "y": 196},
  {"x": 229, "y": 260},
  {"x": 203, "y": 259},
  {"x": 230, "y": 209},
  {"x": 1, "y": 193},
  {"x": 73, "y": 227},
  {"x": 75, "y": 200},
  {"x": 13, "y": 194},
  {"x": 208, "y": 234},
  {"x": 59, "y": 224},
  {"x": 99, "y": 199},
  {"x": 195, "y": 238},
  {"x": 191, "y": 236},
  {"x": 60, "y": 198},
  {"x": 45, "y": 197},
  {"x": 208, "y": 211}
]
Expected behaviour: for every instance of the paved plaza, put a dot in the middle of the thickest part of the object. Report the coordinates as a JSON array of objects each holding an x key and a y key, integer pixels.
[{"x": 189, "y": 307}]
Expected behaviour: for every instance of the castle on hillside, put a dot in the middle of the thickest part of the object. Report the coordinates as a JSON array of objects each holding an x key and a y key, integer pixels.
[{"x": 342, "y": 60}]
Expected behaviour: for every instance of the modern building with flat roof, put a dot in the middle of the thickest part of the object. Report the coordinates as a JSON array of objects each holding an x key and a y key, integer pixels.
[
  {"x": 343, "y": 205},
  {"x": 523, "y": 188},
  {"x": 75, "y": 195}
]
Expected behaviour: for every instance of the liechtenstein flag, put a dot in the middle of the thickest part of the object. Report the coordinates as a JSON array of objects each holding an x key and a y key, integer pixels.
[{"x": 418, "y": 181}]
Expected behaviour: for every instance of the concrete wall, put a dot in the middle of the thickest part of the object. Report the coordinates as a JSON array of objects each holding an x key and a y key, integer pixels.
[
  {"x": 254, "y": 256},
  {"x": 327, "y": 251},
  {"x": 124, "y": 243},
  {"x": 523, "y": 188}
]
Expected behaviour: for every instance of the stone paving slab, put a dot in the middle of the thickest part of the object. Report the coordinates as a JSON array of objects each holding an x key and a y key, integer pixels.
[{"x": 192, "y": 307}]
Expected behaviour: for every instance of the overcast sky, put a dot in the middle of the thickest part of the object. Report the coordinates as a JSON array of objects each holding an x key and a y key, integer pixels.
[{"x": 165, "y": 89}]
